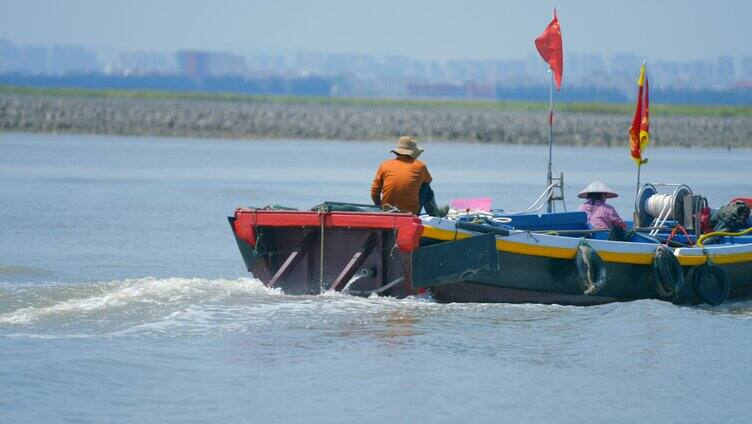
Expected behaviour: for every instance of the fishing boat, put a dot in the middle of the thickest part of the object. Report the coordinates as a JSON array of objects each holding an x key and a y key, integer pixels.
[
  {"x": 476, "y": 255},
  {"x": 676, "y": 249}
]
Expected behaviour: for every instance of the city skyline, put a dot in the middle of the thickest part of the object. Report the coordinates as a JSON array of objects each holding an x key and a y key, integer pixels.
[
  {"x": 668, "y": 31},
  {"x": 592, "y": 69}
]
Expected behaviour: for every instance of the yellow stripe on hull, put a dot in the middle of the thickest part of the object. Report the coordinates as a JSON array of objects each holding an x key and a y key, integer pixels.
[{"x": 569, "y": 253}]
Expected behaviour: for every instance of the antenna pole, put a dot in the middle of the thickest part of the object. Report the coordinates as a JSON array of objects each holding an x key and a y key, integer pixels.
[{"x": 549, "y": 179}]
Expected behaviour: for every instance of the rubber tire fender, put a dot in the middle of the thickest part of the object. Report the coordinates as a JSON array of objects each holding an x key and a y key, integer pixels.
[
  {"x": 711, "y": 284},
  {"x": 591, "y": 273},
  {"x": 667, "y": 274}
]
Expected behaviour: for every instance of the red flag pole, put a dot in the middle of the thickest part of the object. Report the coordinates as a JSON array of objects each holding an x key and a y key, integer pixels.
[
  {"x": 549, "y": 179},
  {"x": 549, "y": 46}
]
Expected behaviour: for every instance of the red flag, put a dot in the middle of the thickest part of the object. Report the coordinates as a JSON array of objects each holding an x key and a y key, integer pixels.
[{"x": 550, "y": 48}]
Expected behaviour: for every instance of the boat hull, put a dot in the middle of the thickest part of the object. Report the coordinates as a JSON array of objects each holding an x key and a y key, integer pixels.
[
  {"x": 538, "y": 279},
  {"x": 311, "y": 259},
  {"x": 400, "y": 255}
]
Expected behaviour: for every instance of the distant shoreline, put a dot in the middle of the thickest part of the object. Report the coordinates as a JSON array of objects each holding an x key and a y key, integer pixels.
[{"x": 192, "y": 114}]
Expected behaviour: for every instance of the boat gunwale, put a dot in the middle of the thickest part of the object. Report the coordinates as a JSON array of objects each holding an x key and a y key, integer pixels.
[{"x": 562, "y": 247}]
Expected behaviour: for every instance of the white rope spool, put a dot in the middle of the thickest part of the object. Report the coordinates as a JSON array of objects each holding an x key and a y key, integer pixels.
[
  {"x": 660, "y": 204},
  {"x": 662, "y": 207}
]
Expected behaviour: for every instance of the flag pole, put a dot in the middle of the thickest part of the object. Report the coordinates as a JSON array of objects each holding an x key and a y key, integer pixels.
[
  {"x": 549, "y": 179},
  {"x": 636, "y": 220},
  {"x": 639, "y": 168},
  {"x": 637, "y": 192}
]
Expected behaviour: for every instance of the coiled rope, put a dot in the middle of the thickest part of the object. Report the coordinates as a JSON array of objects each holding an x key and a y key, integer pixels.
[
  {"x": 661, "y": 207},
  {"x": 658, "y": 204}
]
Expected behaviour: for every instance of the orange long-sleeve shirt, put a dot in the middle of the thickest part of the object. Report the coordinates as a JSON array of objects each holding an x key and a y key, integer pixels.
[{"x": 397, "y": 183}]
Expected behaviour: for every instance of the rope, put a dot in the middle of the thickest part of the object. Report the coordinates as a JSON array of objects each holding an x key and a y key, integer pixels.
[
  {"x": 704, "y": 237},
  {"x": 708, "y": 259},
  {"x": 394, "y": 232},
  {"x": 660, "y": 207},
  {"x": 536, "y": 206},
  {"x": 456, "y": 214},
  {"x": 673, "y": 233},
  {"x": 657, "y": 204}
]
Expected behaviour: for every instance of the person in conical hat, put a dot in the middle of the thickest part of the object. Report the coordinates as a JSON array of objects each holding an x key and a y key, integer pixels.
[
  {"x": 599, "y": 213},
  {"x": 404, "y": 182}
]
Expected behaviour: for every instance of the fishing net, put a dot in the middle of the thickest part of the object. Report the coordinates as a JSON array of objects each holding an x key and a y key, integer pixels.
[
  {"x": 351, "y": 207},
  {"x": 731, "y": 217}
]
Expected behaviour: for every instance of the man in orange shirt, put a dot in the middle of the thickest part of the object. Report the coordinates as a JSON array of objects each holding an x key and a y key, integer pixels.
[{"x": 403, "y": 182}]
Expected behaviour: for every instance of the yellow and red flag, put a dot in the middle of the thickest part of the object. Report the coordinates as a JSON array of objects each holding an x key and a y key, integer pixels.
[{"x": 639, "y": 132}]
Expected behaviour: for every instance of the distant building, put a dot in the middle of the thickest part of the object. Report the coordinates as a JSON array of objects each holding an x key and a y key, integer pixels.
[
  {"x": 267, "y": 64},
  {"x": 448, "y": 90},
  {"x": 362, "y": 65},
  {"x": 31, "y": 59},
  {"x": 72, "y": 59},
  {"x": 310, "y": 62},
  {"x": 625, "y": 65},
  {"x": 699, "y": 72},
  {"x": 746, "y": 68},
  {"x": 583, "y": 67},
  {"x": 35, "y": 59},
  {"x": 202, "y": 64},
  {"x": 587, "y": 77},
  {"x": 401, "y": 66},
  {"x": 725, "y": 70},
  {"x": 144, "y": 63},
  {"x": 437, "y": 71},
  {"x": 220, "y": 64},
  {"x": 9, "y": 56},
  {"x": 193, "y": 64}
]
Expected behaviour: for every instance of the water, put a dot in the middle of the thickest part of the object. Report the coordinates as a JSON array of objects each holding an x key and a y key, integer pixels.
[{"x": 123, "y": 297}]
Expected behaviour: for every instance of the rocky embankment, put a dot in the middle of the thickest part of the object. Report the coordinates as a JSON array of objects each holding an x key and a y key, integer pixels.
[{"x": 254, "y": 119}]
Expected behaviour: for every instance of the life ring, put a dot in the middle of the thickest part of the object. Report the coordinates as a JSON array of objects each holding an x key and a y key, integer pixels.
[
  {"x": 667, "y": 274},
  {"x": 711, "y": 284},
  {"x": 591, "y": 273}
]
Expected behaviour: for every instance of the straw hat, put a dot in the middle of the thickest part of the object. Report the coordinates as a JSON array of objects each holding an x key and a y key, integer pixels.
[
  {"x": 407, "y": 146},
  {"x": 597, "y": 186}
]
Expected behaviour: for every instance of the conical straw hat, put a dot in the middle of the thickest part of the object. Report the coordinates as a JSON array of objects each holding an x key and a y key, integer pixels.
[{"x": 597, "y": 186}]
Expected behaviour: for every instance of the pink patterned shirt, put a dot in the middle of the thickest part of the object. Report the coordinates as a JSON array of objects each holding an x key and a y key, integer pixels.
[{"x": 601, "y": 215}]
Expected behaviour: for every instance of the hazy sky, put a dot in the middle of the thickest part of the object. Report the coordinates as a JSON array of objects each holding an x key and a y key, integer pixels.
[{"x": 427, "y": 29}]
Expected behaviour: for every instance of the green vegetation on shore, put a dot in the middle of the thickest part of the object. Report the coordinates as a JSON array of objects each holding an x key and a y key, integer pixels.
[{"x": 605, "y": 108}]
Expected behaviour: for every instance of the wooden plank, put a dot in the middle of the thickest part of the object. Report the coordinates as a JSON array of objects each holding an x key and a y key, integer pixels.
[
  {"x": 355, "y": 262},
  {"x": 294, "y": 258}
]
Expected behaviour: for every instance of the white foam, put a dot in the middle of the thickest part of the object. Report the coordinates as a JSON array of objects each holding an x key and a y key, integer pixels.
[{"x": 122, "y": 294}]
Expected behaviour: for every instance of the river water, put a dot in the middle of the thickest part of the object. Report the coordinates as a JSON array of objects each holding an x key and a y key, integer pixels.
[{"x": 123, "y": 297}]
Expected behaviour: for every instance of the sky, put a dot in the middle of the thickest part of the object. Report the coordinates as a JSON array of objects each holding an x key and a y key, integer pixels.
[{"x": 424, "y": 29}]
